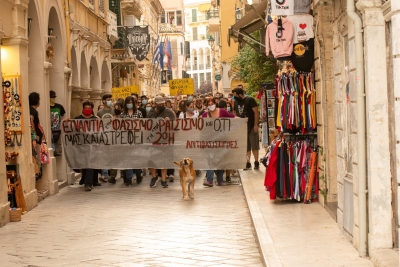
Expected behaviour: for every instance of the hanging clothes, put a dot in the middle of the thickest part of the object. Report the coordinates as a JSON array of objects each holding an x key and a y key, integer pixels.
[{"x": 292, "y": 171}]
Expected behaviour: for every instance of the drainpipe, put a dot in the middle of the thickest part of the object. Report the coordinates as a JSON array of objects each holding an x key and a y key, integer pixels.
[{"x": 361, "y": 138}]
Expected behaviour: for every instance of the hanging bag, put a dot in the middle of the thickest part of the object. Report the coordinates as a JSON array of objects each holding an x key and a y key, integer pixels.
[{"x": 44, "y": 152}]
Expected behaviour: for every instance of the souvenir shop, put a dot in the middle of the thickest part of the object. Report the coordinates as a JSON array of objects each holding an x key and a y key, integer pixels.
[{"x": 288, "y": 106}]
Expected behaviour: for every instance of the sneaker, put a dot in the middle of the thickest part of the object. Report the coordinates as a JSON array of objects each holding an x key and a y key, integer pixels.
[
  {"x": 164, "y": 184},
  {"x": 248, "y": 166},
  {"x": 112, "y": 180},
  {"x": 256, "y": 165},
  {"x": 128, "y": 182},
  {"x": 153, "y": 181},
  {"x": 88, "y": 188},
  {"x": 228, "y": 179},
  {"x": 208, "y": 183},
  {"x": 103, "y": 179},
  {"x": 221, "y": 183},
  {"x": 171, "y": 178},
  {"x": 139, "y": 179}
]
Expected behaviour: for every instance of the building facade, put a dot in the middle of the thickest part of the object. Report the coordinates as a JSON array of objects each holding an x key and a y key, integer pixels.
[
  {"x": 129, "y": 70},
  {"x": 199, "y": 65},
  {"x": 34, "y": 58},
  {"x": 172, "y": 29},
  {"x": 223, "y": 15}
]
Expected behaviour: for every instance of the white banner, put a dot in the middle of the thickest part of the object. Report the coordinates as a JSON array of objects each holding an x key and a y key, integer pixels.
[{"x": 154, "y": 143}]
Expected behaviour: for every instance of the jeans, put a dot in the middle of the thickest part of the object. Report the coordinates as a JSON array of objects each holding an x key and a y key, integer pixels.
[
  {"x": 129, "y": 173},
  {"x": 210, "y": 175},
  {"x": 104, "y": 173}
]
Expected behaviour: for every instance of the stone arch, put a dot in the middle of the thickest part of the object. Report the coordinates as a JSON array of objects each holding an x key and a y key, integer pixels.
[
  {"x": 74, "y": 67},
  {"x": 201, "y": 59},
  {"x": 105, "y": 77},
  {"x": 35, "y": 50},
  {"x": 84, "y": 75},
  {"x": 94, "y": 74}
]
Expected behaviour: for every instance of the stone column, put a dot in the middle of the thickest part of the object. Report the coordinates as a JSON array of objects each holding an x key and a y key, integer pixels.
[
  {"x": 95, "y": 96},
  {"x": 76, "y": 101},
  {"x": 4, "y": 204},
  {"x": 377, "y": 126}
]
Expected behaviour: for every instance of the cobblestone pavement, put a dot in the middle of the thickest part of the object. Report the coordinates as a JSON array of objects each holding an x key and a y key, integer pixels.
[{"x": 115, "y": 225}]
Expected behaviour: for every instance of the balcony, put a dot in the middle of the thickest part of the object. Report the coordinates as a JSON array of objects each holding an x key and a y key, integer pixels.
[
  {"x": 131, "y": 7},
  {"x": 213, "y": 23}
]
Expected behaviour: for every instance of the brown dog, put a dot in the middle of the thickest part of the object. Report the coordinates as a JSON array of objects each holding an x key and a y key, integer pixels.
[{"x": 187, "y": 174}]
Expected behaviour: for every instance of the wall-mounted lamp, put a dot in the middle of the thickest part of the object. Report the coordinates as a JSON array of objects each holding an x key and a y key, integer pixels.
[
  {"x": 211, "y": 41},
  {"x": 238, "y": 14},
  {"x": 29, "y": 25}
]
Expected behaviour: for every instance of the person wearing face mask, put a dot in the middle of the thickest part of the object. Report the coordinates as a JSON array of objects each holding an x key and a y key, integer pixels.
[
  {"x": 57, "y": 111},
  {"x": 190, "y": 112},
  {"x": 181, "y": 107},
  {"x": 214, "y": 112},
  {"x": 246, "y": 107},
  {"x": 108, "y": 106},
  {"x": 160, "y": 111},
  {"x": 118, "y": 107},
  {"x": 190, "y": 98},
  {"x": 199, "y": 106},
  {"x": 131, "y": 111},
  {"x": 89, "y": 176},
  {"x": 148, "y": 108},
  {"x": 138, "y": 102}
]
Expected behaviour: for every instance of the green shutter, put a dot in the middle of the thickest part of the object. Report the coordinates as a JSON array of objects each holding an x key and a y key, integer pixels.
[{"x": 194, "y": 15}]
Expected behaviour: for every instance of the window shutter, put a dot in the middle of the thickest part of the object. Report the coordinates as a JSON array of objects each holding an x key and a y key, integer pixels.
[
  {"x": 163, "y": 17},
  {"x": 178, "y": 18},
  {"x": 194, "y": 33},
  {"x": 194, "y": 15}
]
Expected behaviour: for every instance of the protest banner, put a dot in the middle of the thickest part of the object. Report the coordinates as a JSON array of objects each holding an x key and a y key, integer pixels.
[
  {"x": 123, "y": 92},
  {"x": 154, "y": 143},
  {"x": 181, "y": 86}
]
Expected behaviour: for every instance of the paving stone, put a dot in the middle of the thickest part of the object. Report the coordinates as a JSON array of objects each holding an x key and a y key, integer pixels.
[{"x": 115, "y": 225}]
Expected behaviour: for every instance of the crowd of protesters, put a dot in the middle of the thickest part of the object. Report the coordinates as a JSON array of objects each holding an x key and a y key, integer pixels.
[{"x": 168, "y": 107}]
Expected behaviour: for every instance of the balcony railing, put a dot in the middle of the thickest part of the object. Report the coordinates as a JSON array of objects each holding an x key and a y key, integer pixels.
[
  {"x": 213, "y": 13},
  {"x": 195, "y": 67}
]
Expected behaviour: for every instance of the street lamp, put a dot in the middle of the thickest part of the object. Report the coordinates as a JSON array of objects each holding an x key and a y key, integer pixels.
[{"x": 211, "y": 41}]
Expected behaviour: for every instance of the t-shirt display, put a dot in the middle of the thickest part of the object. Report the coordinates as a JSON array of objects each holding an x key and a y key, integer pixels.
[
  {"x": 303, "y": 55},
  {"x": 303, "y": 28},
  {"x": 279, "y": 38},
  {"x": 282, "y": 7},
  {"x": 56, "y": 112}
]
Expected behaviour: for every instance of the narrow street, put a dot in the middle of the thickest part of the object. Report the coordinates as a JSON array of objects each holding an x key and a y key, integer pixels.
[{"x": 115, "y": 225}]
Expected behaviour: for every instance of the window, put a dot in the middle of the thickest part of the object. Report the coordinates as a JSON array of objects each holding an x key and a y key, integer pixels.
[
  {"x": 171, "y": 17},
  {"x": 196, "y": 81},
  {"x": 208, "y": 33},
  {"x": 208, "y": 77},
  {"x": 163, "y": 18},
  {"x": 181, "y": 48},
  {"x": 166, "y": 75},
  {"x": 194, "y": 15},
  {"x": 194, "y": 29},
  {"x": 201, "y": 78},
  {"x": 101, "y": 5},
  {"x": 207, "y": 13},
  {"x": 178, "y": 18}
]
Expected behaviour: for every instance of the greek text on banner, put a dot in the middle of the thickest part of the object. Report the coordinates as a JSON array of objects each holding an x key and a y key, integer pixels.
[
  {"x": 181, "y": 86},
  {"x": 123, "y": 92},
  {"x": 146, "y": 143}
]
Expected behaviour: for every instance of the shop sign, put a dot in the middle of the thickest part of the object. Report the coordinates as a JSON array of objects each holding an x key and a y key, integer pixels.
[
  {"x": 138, "y": 38},
  {"x": 218, "y": 77},
  {"x": 181, "y": 86},
  {"x": 154, "y": 143},
  {"x": 169, "y": 29},
  {"x": 123, "y": 92}
]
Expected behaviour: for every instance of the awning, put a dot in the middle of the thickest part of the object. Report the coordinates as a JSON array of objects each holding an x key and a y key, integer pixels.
[
  {"x": 256, "y": 11},
  {"x": 204, "y": 7},
  {"x": 251, "y": 22}
]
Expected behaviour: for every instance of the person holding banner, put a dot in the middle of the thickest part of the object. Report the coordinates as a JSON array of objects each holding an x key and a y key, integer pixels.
[
  {"x": 160, "y": 111},
  {"x": 131, "y": 111},
  {"x": 190, "y": 111},
  {"x": 89, "y": 176},
  {"x": 118, "y": 108},
  {"x": 214, "y": 112}
]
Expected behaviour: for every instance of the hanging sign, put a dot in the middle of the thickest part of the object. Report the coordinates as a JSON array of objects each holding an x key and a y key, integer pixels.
[
  {"x": 13, "y": 115},
  {"x": 218, "y": 77},
  {"x": 181, "y": 86},
  {"x": 154, "y": 143},
  {"x": 112, "y": 28},
  {"x": 123, "y": 92},
  {"x": 138, "y": 38}
]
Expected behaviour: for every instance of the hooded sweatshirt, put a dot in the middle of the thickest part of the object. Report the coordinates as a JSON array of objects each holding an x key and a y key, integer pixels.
[{"x": 283, "y": 46}]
